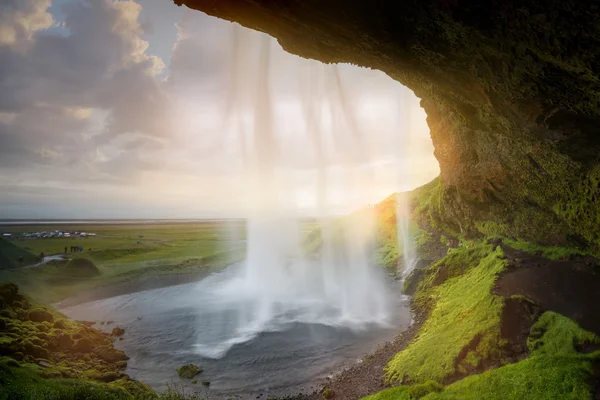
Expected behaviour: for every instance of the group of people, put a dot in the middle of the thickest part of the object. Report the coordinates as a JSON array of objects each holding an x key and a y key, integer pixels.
[{"x": 74, "y": 249}]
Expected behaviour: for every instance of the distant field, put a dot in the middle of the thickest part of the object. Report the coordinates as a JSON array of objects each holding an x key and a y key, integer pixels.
[{"x": 125, "y": 252}]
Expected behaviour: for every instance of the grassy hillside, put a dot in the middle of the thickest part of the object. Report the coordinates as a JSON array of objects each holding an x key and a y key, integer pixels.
[
  {"x": 13, "y": 256},
  {"x": 45, "y": 355}
]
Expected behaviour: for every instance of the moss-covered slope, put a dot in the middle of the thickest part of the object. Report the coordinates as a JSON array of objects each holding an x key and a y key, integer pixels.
[
  {"x": 511, "y": 90},
  {"x": 555, "y": 369},
  {"x": 44, "y": 355}
]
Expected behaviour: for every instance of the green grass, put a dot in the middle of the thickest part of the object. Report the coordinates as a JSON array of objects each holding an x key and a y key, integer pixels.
[
  {"x": 552, "y": 252},
  {"x": 23, "y": 382},
  {"x": 162, "y": 249},
  {"x": 13, "y": 256},
  {"x": 554, "y": 370},
  {"x": 464, "y": 309}
]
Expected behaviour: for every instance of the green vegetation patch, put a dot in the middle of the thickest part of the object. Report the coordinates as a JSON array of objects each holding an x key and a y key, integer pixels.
[
  {"x": 45, "y": 352},
  {"x": 12, "y": 256},
  {"x": 552, "y": 252},
  {"x": 25, "y": 383},
  {"x": 81, "y": 267},
  {"x": 189, "y": 371},
  {"x": 465, "y": 313},
  {"x": 556, "y": 369}
]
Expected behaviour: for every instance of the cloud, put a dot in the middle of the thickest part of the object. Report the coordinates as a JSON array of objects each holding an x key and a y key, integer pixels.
[
  {"x": 21, "y": 19},
  {"x": 52, "y": 88},
  {"x": 88, "y": 113}
]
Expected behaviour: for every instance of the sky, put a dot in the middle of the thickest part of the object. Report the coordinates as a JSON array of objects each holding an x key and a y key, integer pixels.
[{"x": 142, "y": 109}]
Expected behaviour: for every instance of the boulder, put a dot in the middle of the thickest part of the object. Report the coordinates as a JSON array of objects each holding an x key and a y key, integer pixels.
[
  {"x": 40, "y": 315},
  {"x": 83, "y": 345},
  {"x": 64, "y": 341},
  {"x": 189, "y": 371},
  {"x": 60, "y": 324},
  {"x": 110, "y": 354},
  {"x": 35, "y": 351},
  {"x": 412, "y": 281},
  {"x": 118, "y": 331}
]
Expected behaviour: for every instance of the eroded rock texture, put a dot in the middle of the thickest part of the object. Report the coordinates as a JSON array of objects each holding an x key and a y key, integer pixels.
[{"x": 510, "y": 87}]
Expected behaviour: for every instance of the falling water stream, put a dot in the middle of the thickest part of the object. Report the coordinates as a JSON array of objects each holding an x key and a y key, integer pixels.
[{"x": 285, "y": 316}]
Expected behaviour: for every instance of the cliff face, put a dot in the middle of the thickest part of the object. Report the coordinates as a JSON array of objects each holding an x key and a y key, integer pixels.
[{"x": 511, "y": 89}]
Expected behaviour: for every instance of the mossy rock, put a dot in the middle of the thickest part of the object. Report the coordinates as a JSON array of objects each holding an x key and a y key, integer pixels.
[
  {"x": 110, "y": 354},
  {"x": 44, "y": 327},
  {"x": 35, "y": 350},
  {"x": 60, "y": 324},
  {"x": 64, "y": 341},
  {"x": 422, "y": 390},
  {"x": 118, "y": 331},
  {"x": 189, "y": 371},
  {"x": 328, "y": 393},
  {"x": 40, "y": 315},
  {"x": 109, "y": 377},
  {"x": 135, "y": 388},
  {"x": 412, "y": 281},
  {"x": 9, "y": 293},
  {"x": 7, "y": 313},
  {"x": 83, "y": 345}
]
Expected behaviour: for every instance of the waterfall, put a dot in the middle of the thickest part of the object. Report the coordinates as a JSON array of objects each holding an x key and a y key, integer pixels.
[
  {"x": 309, "y": 130},
  {"x": 405, "y": 241}
]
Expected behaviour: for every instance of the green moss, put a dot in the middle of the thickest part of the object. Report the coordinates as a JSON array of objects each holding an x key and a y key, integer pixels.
[
  {"x": 554, "y": 334},
  {"x": 40, "y": 315},
  {"x": 491, "y": 228},
  {"x": 69, "y": 349},
  {"x": 395, "y": 393},
  {"x": 555, "y": 369},
  {"x": 456, "y": 262},
  {"x": 581, "y": 207},
  {"x": 189, "y": 371},
  {"x": 327, "y": 393},
  {"x": 465, "y": 312},
  {"x": 421, "y": 390},
  {"x": 26, "y": 383},
  {"x": 552, "y": 252}
]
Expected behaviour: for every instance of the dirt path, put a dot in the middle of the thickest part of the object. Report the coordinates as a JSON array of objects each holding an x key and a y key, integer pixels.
[
  {"x": 47, "y": 259},
  {"x": 569, "y": 287}
]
